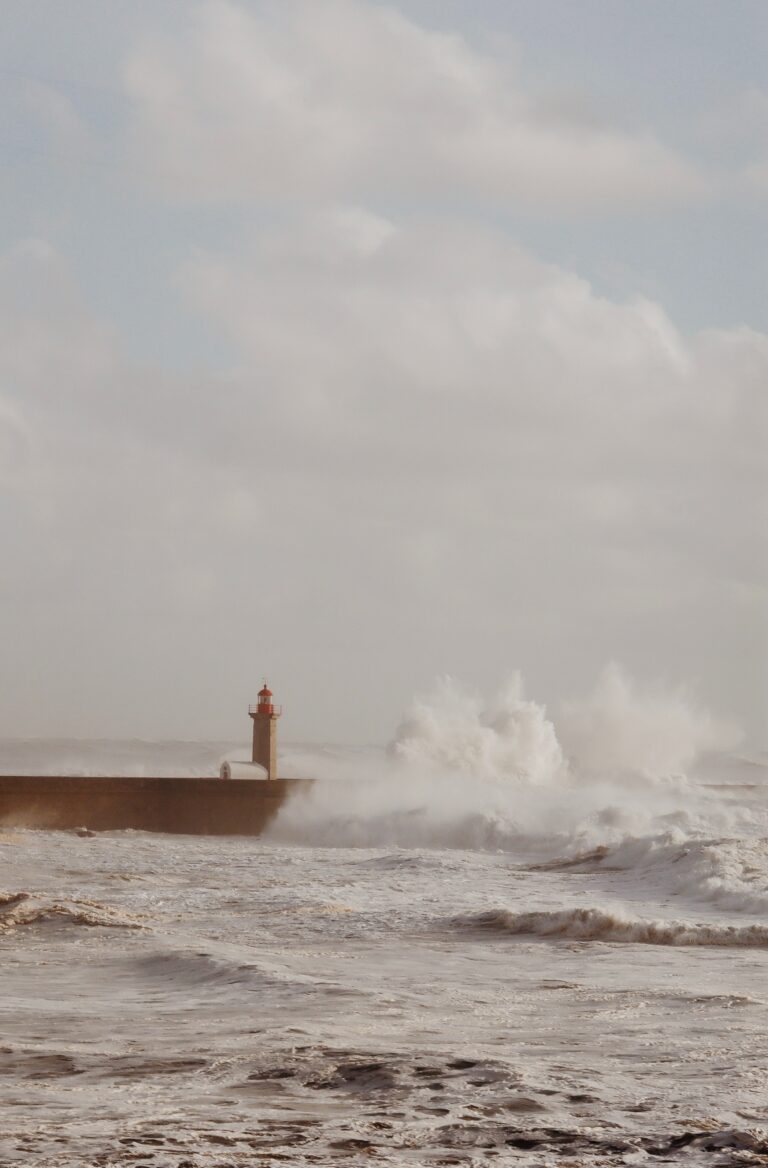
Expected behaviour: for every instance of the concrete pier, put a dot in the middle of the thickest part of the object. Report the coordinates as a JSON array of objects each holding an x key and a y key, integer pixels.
[{"x": 181, "y": 805}]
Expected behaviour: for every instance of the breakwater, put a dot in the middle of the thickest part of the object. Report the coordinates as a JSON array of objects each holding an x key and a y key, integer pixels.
[{"x": 186, "y": 806}]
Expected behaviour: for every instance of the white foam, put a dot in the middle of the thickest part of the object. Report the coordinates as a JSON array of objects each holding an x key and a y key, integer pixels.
[{"x": 730, "y": 873}]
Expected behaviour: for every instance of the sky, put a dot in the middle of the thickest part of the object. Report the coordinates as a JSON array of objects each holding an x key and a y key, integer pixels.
[{"x": 355, "y": 344}]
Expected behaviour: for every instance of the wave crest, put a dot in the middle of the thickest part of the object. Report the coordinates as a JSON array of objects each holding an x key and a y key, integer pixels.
[
  {"x": 18, "y": 909},
  {"x": 596, "y": 924}
]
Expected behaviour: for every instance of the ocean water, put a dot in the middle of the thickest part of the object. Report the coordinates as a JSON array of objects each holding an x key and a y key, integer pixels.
[{"x": 510, "y": 942}]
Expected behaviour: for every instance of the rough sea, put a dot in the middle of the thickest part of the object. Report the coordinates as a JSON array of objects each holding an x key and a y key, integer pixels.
[{"x": 507, "y": 943}]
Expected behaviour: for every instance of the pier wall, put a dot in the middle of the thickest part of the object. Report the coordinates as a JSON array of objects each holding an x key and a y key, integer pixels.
[{"x": 179, "y": 805}]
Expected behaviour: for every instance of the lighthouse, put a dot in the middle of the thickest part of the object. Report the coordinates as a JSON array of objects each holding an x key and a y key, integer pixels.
[{"x": 265, "y": 714}]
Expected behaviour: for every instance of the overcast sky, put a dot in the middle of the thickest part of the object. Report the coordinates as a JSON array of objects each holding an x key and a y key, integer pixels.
[{"x": 357, "y": 343}]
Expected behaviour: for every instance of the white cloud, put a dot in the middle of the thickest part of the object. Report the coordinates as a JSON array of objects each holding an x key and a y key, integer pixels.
[
  {"x": 345, "y": 98},
  {"x": 425, "y": 450},
  {"x": 432, "y": 446},
  {"x": 439, "y": 316},
  {"x": 448, "y": 381}
]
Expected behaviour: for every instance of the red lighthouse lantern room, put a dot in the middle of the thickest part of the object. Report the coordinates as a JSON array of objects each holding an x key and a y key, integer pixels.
[{"x": 265, "y": 704}]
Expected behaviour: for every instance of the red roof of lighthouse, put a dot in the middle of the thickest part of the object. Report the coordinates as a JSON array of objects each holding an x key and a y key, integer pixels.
[{"x": 265, "y": 693}]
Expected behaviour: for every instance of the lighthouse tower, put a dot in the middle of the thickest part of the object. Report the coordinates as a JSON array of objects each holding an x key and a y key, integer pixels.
[{"x": 265, "y": 715}]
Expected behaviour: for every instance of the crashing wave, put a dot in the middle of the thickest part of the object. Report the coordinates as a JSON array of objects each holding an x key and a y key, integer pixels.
[{"x": 451, "y": 731}]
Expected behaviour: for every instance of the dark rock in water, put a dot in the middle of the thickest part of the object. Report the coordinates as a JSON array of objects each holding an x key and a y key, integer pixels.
[
  {"x": 521, "y": 1103},
  {"x": 351, "y": 1144},
  {"x": 276, "y": 1073},
  {"x": 367, "y": 1076},
  {"x": 523, "y": 1142}
]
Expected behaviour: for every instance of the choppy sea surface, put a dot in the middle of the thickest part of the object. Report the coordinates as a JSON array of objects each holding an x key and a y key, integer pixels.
[{"x": 440, "y": 965}]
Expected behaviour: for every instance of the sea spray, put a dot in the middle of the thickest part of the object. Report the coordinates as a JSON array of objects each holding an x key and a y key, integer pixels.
[
  {"x": 451, "y": 730},
  {"x": 625, "y": 728},
  {"x": 461, "y": 772}
]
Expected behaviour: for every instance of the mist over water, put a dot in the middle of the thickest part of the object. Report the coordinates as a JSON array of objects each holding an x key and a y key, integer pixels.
[
  {"x": 511, "y": 930},
  {"x": 625, "y": 728}
]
